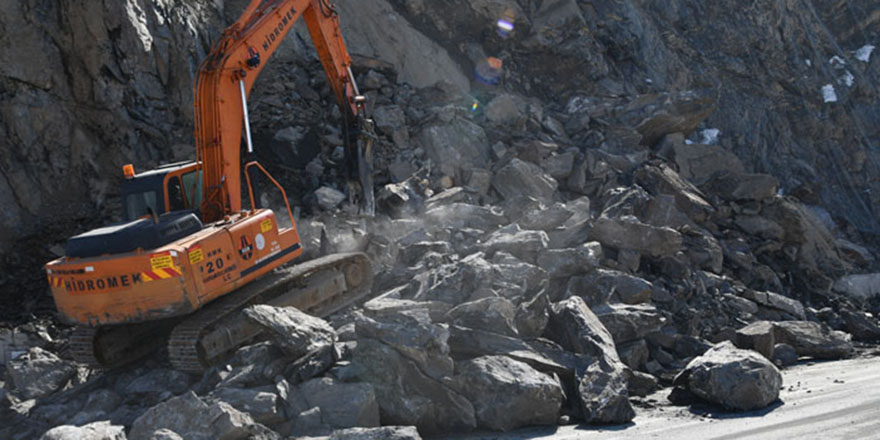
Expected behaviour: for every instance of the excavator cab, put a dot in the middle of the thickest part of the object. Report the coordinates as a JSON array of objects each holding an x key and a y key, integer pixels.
[{"x": 169, "y": 188}]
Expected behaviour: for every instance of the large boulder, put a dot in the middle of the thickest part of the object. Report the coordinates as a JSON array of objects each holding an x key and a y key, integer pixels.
[
  {"x": 343, "y": 405},
  {"x": 525, "y": 245},
  {"x": 414, "y": 336},
  {"x": 508, "y": 394},
  {"x": 455, "y": 145},
  {"x": 494, "y": 314},
  {"x": 519, "y": 178},
  {"x": 383, "y": 433},
  {"x": 561, "y": 263},
  {"x": 743, "y": 186},
  {"x": 408, "y": 396},
  {"x": 295, "y": 332},
  {"x": 192, "y": 418},
  {"x": 736, "y": 379},
  {"x": 808, "y": 338},
  {"x": 261, "y": 405},
  {"x": 602, "y": 386},
  {"x": 38, "y": 373},
  {"x": 603, "y": 284},
  {"x": 93, "y": 431},
  {"x": 603, "y": 393},
  {"x": 629, "y": 233},
  {"x": 629, "y": 322}
]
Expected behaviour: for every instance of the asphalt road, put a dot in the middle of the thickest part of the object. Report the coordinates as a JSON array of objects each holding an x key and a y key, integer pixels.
[{"x": 821, "y": 400}]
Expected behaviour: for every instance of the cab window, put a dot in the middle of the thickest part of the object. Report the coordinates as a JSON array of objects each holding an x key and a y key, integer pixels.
[
  {"x": 192, "y": 185},
  {"x": 139, "y": 204},
  {"x": 175, "y": 195}
]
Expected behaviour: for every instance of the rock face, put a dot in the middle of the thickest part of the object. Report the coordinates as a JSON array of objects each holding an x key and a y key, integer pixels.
[
  {"x": 736, "y": 379},
  {"x": 508, "y": 394}
]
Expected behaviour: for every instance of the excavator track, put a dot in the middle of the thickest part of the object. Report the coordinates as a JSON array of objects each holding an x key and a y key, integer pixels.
[
  {"x": 319, "y": 287},
  {"x": 111, "y": 346}
]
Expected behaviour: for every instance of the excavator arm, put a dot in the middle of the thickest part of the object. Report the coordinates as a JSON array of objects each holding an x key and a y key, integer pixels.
[{"x": 227, "y": 75}]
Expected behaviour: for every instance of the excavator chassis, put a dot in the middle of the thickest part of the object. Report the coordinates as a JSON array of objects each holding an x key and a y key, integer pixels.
[{"x": 319, "y": 287}]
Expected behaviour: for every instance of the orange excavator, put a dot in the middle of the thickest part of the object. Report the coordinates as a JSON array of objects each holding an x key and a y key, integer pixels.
[{"x": 188, "y": 257}]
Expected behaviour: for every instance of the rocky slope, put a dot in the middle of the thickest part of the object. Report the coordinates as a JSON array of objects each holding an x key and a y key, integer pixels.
[{"x": 583, "y": 195}]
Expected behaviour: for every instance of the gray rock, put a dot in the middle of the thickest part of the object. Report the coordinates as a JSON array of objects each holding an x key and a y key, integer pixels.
[
  {"x": 861, "y": 286},
  {"x": 329, "y": 198},
  {"x": 383, "y": 433},
  {"x": 629, "y": 322},
  {"x": 525, "y": 245},
  {"x": 493, "y": 314},
  {"x": 508, "y": 394},
  {"x": 406, "y": 395},
  {"x": 449, "y": 196},
  {"x": 776, "y": 301},
  {"x": 458, "y": 143},
  {"x": 93, "y": 431},
  {"x": 604, "y": 395},
  {"x": 156, "y": 382},
  {"x": 577, "y": 329},
  {"x": 641, "y": 384},
  {"x": 532, "y": 316},
  {"x": 38, "y": 373},
  {"x": 295, "y": 332},
  {"x": 699, "y": 163},
  {"x": 505, "y": 109},
  {"x": 559, "y": 166},
  {"x": 784, "y": 355},
  {"x": 604, "y": 283},
  {"x": 664, "y": 180},
  {"x": 808, "y": 338},
  {"x": 391, "y": 120},
  {"x": 165, "y": 434},
  {"x": 602, "y": 387},
  {"x": 562, "y": 263},
  {"x": 634, "y": 235},
  {"x": 413, "y": 335},
  {"x": 545, "y": 218},
  {"x": 520, "y": 178},
  {"x": 814, "y": 339},
  {"x": 736, "y": 379},
  {"x": 191, "y": 418},
  {"x": 463, "y": 215},
  {"x": 634, "y": 354},
  {"x": 343, "y": 405},
  {"x": 411, "y": 254},
  {"x": 860, "y": 326},
  {"x": 383, "y": 306},
  {"x": 261, "y": 405},
  {"x": 743, "y": 186},
  {"x": 534, "y": 151}
]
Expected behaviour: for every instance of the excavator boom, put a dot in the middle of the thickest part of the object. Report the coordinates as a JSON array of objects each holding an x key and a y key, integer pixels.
[{"x": 227, "y": 75}]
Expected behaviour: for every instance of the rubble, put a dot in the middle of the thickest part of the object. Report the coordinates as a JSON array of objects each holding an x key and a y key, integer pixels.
[{"x": 535, "y": 259}]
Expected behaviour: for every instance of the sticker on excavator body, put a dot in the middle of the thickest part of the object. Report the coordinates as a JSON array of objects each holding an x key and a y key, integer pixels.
[
  {"x": 162, "y": 267},
  {"x": 246, "y": 250},
  {"x": 195, "y": 254},
  {"x": 161, "y": 261},
  {"x": 266, "y": 225}
]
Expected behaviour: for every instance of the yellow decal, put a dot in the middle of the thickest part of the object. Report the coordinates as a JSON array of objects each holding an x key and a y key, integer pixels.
[
  {"x": 161, "y": 261},
  {"x": 266, "y": 225},
  {"x": 195, "y": 255}
]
